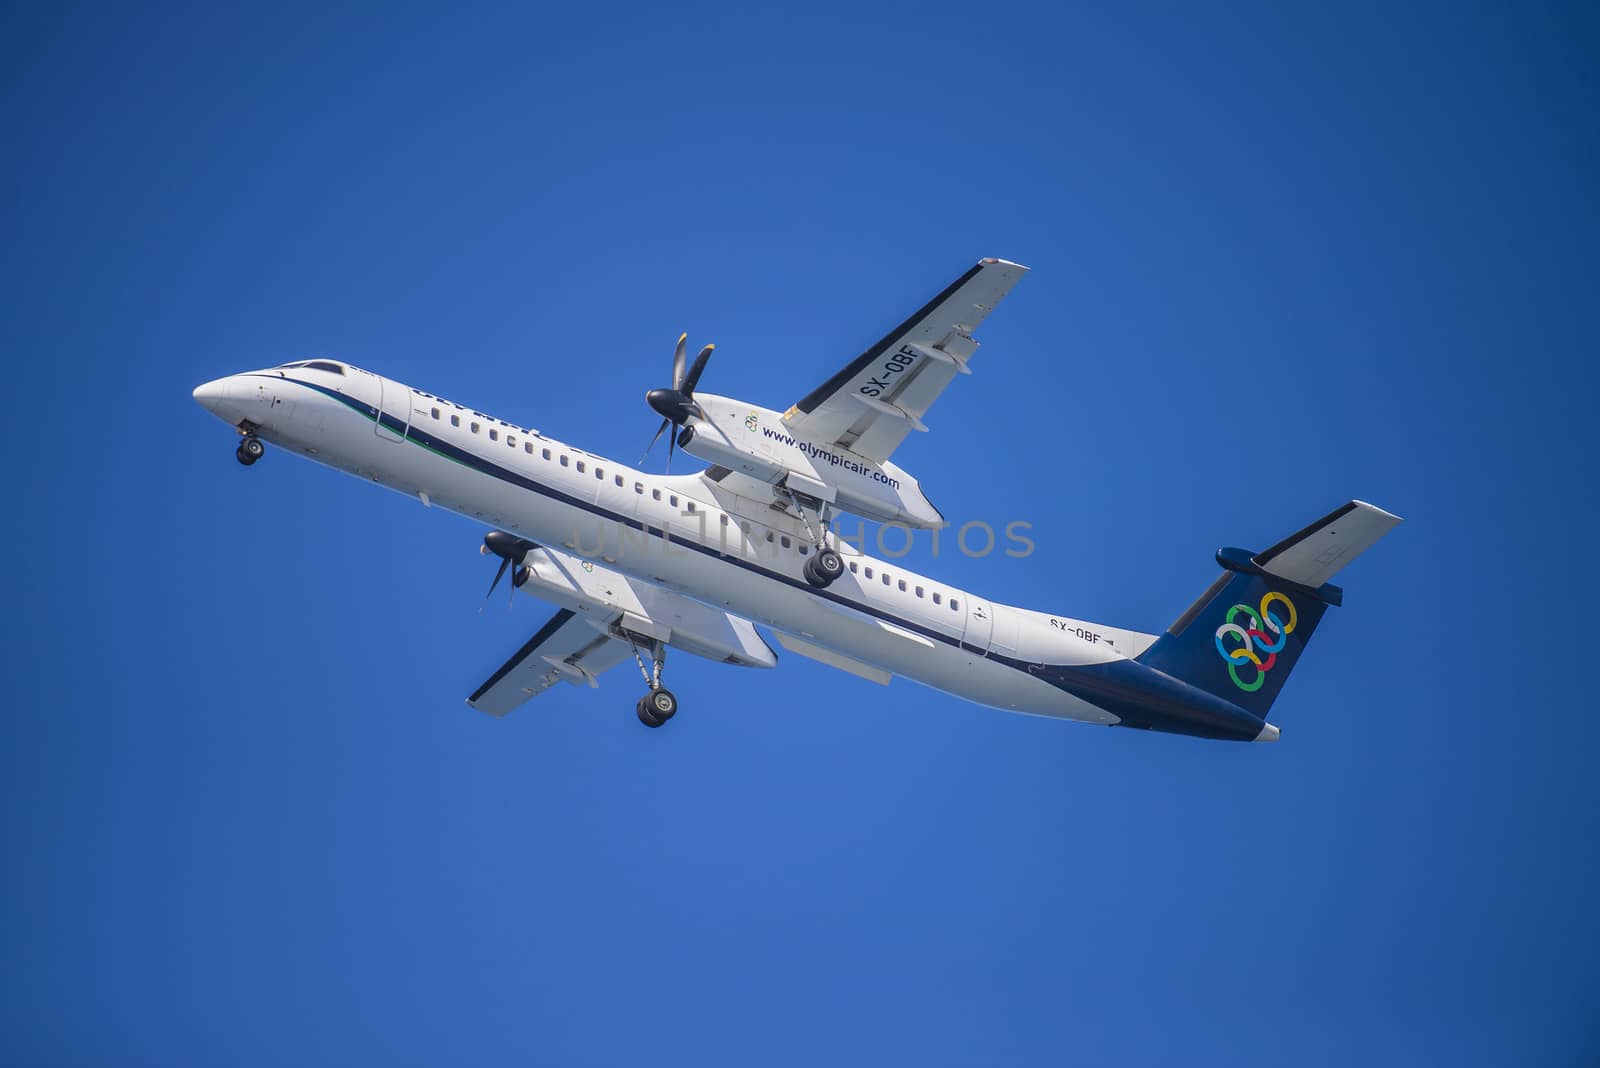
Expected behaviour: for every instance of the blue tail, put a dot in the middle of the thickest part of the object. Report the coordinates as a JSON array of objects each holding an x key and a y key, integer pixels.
[{"x": 1245, "y": 634}]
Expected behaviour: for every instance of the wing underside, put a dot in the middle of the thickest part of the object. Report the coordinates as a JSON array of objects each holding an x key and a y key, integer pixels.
[
  {"x": 568, "y": 648},
  {"x": 871, "y": 404}
]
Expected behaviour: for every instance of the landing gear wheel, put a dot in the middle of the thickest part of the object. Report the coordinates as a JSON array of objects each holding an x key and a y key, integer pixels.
[
  {"x": 828, "y": 565},
  {"x": 250, "y": 450},
  {"x": 661, "y": 704},
  {"x": 823, "y": 568},
  {"x": 646, "y": 716}
]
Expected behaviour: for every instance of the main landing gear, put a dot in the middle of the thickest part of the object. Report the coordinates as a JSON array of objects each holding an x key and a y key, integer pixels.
[
  {"x": 659, "y": 705},
  {"x": 825, "y": 564},
  {"x": 250, "y": 450}
]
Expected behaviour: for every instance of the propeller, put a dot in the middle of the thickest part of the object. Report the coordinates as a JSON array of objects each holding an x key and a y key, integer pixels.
[
  {"x": 508, "y": 547},
  {"x": 676, "y": 405}
]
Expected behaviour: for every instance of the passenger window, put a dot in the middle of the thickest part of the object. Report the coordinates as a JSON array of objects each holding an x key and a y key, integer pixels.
[
  {"x": 691, "y": 506},
  {"x": 435, "y": 413},
  {"x": 564, "y": 462},
  {"x": 494, "y": 435},
  {"x": 869, "y": 572},
  {"x": 936, "y": 597},
  {"x": 474, "y": 428},
  {"x": 638, "y": 487},
  {"x": 902, "y": 585},
  {"x": 803, "y": 549},
  {"x": 919, "y": 591},
  {"x": 955, "y": 605},
  {"x": 619, "y": 481},
  {"x": 724, "y": 519},
  {"x": 886, "y": 578},
  {"x": 655, "y": 495},
  {"x": 580, "y": 467},
  {"x": 455, "y": 420},
  {"x": 600, "y": 474},
  {"x": 852, "y": 567},
  {"x": 672, "y": 499},
  {"x": 769, "y": 535},
  {"x": 511, "y": 439},
  {"x": 527, "y": 447},
  {"x": 545, "y": 453}
]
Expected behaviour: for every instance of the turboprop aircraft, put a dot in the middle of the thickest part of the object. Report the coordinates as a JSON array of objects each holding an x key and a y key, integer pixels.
[{"x": 637, "y": 563}]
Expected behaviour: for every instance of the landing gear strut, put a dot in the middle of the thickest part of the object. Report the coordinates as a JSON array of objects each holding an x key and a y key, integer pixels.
[
  {"x": 250, "y": 450},
  {"x": 659, "y": 705}
]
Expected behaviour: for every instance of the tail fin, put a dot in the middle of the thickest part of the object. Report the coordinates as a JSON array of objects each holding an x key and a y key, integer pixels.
[{"x": 1243, "y": 636}]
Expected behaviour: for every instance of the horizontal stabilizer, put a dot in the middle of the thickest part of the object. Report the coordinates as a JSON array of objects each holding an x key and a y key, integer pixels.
[{"x": 1312, "y": 556}]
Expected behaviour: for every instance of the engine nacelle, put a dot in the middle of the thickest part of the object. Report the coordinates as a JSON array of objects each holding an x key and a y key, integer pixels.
[{"x": 755, "y": 442}]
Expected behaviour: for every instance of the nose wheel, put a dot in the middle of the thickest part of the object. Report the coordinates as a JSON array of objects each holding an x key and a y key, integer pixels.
[
  {"x": 659, "y": 705},
  {"x": 250, "y": 450}
]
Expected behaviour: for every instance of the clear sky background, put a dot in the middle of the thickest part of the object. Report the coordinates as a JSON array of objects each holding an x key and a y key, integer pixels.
[{"x": 1281, "y": 258}]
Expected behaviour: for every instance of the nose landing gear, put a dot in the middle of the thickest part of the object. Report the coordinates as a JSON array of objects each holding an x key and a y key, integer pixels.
[{"x": 250, "y": 450}]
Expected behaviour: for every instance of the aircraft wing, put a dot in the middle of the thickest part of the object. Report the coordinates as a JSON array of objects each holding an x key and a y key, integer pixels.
[
  {"x": 568, "y": 648},
  {"x": 881, "y": 396},
  {"x": 602, "y": 614}
]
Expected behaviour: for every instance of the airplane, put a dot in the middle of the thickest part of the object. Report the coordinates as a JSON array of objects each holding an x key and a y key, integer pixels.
[{"x": 636, "y": 563}]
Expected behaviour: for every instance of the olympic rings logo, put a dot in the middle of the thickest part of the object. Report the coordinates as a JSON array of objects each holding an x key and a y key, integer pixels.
[{"x": 1267, "y": 633}]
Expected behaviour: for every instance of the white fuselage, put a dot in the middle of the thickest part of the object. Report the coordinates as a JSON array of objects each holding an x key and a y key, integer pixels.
[{"x": 684, "y": 533}]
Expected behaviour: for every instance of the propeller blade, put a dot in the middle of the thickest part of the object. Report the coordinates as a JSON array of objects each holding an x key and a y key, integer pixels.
[
  {"x": 694, "y": 372},
  {"x": 672, "y": 441},
  {"x": 505, "y": 562},
  {"x": 677, "y": 362},
  {"x": 664, "y": 424}
]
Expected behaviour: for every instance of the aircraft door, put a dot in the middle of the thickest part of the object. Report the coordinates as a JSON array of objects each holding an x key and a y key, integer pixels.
[
  {"x": 1003, "y": 635},
  {"x": 979, "y": 624},
  {"x": 394, "y": 401}
]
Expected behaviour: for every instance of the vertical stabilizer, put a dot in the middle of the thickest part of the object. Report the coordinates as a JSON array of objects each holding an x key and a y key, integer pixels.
[{"x": 1244, "y": 635}]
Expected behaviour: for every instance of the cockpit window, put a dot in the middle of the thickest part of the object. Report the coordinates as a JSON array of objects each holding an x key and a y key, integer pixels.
[{"x": 317, "y": 365}]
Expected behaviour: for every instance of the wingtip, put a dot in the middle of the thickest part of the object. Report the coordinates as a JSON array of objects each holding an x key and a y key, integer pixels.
[
  {"x": 996, "y": 261},
  {"x": 1381, "y": 511}
]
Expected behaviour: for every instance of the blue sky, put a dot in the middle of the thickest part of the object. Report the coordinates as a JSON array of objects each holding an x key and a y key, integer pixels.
[{"x": 1281, "y": 258}]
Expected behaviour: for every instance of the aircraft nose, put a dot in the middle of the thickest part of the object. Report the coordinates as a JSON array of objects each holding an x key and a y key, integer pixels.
[{"x": 210, "y": 395}]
